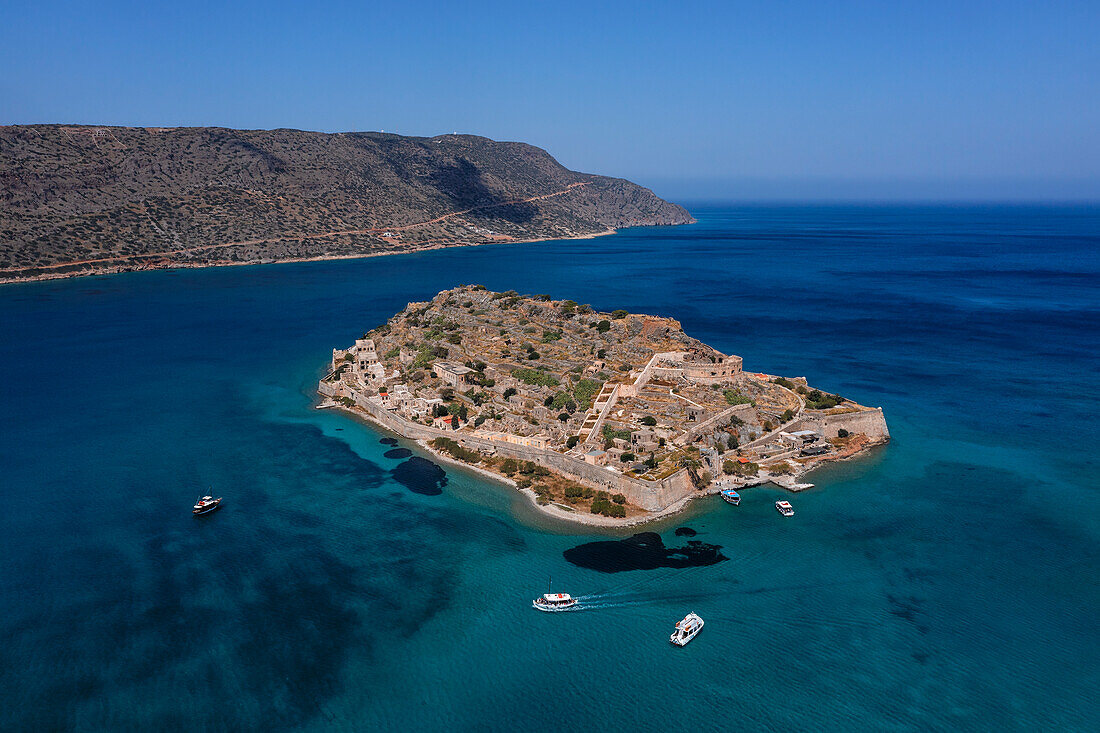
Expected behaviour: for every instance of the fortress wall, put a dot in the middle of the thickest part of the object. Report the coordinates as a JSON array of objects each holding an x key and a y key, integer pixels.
[
  {"x": 870, "y": 422},
  {"x": 705, "y": 373},
  {"x": 649, "y": 495},
  {"x": 720, "y": 420}
]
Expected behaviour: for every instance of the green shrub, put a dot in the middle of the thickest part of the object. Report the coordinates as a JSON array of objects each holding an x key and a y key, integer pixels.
[
  {"x": 618, "y": 314},
  {"x": 585, "y": 390},
  {"x": 535, "y": 376},
  {"x": 649, "y": 420},
  {"x": 610, "y": 434},
  {"x": 601, "y": 505},
  {"x": 734, "y": 397},
  {"x": 603, "y": 326},
  {"x": 452, "y": 447}
]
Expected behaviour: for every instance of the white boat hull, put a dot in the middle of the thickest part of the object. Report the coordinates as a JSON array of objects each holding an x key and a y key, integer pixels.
[
  {"x": 682, "y": 638},
  {"x": 554, "y": 607}
]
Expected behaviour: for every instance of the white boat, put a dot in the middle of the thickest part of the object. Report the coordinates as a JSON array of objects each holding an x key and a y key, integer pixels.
[
  {"x": 552, "y": 602},
  {"x": 785, "y": 508},
  {"x": 731, "y": 496},
  {"x": 686, "y": 629},
  {"x": 205, "y": 505}
]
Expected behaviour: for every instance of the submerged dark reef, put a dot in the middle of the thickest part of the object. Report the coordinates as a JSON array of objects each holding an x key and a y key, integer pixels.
[
  {"x": 398, "y": 453},
  {"x": 420, "y": 476},
  {"x": 643, "y": 551}
]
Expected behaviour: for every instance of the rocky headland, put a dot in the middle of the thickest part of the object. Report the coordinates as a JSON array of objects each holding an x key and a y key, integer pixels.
[{"x": 78, "y": 200}]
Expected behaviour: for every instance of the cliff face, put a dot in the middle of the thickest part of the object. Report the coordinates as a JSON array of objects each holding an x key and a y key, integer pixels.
[{"x": 85, "y": 199}]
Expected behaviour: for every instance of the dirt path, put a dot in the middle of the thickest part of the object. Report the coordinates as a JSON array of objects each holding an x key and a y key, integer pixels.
[{"x": 295, "y": 237}]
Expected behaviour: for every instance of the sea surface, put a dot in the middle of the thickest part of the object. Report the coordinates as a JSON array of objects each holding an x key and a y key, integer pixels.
[{"x": 948, "y": 581}]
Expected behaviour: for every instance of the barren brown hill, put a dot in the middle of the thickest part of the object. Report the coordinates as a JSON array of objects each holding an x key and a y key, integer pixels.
[{"x": 77, "y": 200}]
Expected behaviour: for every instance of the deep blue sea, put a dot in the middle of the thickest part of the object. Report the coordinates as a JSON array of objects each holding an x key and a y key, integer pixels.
[{"x": 949, "y": 581}]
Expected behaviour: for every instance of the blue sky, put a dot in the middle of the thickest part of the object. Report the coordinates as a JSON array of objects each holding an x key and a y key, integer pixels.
[{"x": 952, "y": 100}]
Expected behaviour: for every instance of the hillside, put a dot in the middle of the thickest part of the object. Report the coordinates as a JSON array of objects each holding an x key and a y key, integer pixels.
[{"x": 77, "y": 200}]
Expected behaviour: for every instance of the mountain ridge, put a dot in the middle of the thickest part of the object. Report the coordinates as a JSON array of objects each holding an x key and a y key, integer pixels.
[{"x": 80, "y": 200}]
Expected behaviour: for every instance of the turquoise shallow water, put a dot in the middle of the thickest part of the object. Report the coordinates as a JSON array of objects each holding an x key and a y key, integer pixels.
[{"x": 947, "y": 581}]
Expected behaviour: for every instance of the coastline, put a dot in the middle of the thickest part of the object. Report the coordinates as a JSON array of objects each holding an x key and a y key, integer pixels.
[
  {"x": 118, "y": 269},
  {"x": 577, "y": 516}
]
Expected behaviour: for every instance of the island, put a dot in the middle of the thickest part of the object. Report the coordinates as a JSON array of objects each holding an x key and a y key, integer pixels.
[
  {"x": 84, "y": 200},
  {"x": 600, "y": 417}
]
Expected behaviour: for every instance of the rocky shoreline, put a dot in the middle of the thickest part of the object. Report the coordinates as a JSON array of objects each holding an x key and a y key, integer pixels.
[{"x": 577, "y": 515}]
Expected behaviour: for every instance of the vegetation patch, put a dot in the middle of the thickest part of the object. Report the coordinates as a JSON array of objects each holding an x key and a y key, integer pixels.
[{"x": 451, "y": 447}]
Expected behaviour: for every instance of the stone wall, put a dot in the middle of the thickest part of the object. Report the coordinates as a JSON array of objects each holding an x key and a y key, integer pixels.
[
  {"x": 649, "y": 495},
  {"x": 718, "y": 421},
  {"x": 871, "y": 422}
]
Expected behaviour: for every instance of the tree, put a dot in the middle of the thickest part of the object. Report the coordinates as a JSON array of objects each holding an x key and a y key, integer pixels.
[
  {"x": 548, "y": 401},
  {"x": 603, "y": 326},
  {"x": 729, "y": 467},
  {"x": 768, "y": 426},
  {"x": 649, "y": 420},
  {"x": 563, "y": 417},
  {"x": 627, "y": 457},
  {"x": 618, "y": 499},
  {"x": 509, "y": 466},
  {"x": 842, "y": 433},
  {"x": 651, "y": 461},
  {"x": 618, "y": 314},
  {"x": 601, "y": 353},
  {"x": 787, "y": 416},
  {"x": 733, "y": 443},
  {"x": 572, "y": 442},
  {"x": 509, "y": 392},
  {"x": 688, "y": 462}
]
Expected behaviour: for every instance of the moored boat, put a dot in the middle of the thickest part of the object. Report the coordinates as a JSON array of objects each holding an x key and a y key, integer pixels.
[
  {"x": 205, "y": 505},
  {"x": 731, "y": 496},
  {"x": 785, "y": 508},
  {"x": 686, "y": 629}
]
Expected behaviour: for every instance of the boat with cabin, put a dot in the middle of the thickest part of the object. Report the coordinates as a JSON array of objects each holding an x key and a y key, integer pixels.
[
  {"x": 731, "y": 496},
  {"x": 205, "y": 505},
  {"x": 551, "y": 602},
  {"x": 686, "y": 629},
  {"x": 785, "y": 508}
]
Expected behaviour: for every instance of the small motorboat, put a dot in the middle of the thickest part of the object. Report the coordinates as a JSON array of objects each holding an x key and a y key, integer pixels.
[
  {"x": 686, "y": 629},
  {"x": 205, "y": 505},
  {"x": 731, "y": 496},
  {"x": 785, "y": 508},
  {"x": 552, "y": 602}
]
